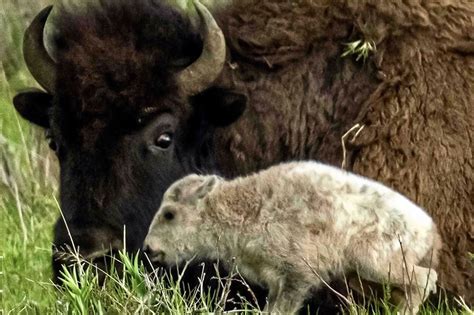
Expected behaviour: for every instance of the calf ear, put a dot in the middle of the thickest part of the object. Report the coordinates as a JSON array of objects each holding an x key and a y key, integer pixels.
[
  {"x": 206, "y": 186},
  {"x": 34, "y": 106},
  {"x": 220, "y": 107}
]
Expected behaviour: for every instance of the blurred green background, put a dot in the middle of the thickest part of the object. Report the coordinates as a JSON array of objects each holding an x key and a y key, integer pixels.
[{"x": 28, "y": 174}]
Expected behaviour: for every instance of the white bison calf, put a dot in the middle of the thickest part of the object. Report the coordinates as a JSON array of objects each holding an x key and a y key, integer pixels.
[{"x": 293, "y": 225}]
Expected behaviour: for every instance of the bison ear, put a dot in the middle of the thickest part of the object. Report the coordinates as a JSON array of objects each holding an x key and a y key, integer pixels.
[
  {"x": 34, "y": 105},
  {"x": 220, "y": 107},
  {"x": 206, "y": 186}
]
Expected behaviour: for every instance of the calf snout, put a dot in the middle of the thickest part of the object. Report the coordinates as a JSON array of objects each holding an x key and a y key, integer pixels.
[{"x": 155, "y": 254}]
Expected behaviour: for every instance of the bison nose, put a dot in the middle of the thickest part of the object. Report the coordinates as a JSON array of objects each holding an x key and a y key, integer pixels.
[{"x": 64, "y": 260}]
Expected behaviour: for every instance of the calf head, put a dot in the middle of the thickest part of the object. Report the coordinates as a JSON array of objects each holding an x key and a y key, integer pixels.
[{"x": 177, "y": 231}]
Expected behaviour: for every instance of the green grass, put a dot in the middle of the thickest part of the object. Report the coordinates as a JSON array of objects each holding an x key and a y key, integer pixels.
[
  {"x": 361, "y": 49},
  {"x": 27, "y": 181},
  {"x": 28, "y": 210}
]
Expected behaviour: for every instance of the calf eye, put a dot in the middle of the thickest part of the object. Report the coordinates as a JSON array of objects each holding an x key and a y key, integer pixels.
[
  {"x": 164, "y": 140},
  {"x": 168, "y": 215}
]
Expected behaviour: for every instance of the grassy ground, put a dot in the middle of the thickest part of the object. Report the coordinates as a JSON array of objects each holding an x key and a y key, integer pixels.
[{"x": 28, "y": 210}]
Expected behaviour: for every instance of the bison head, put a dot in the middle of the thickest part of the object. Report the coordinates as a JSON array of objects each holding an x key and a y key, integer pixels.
[{"x": 129, "y": 108}]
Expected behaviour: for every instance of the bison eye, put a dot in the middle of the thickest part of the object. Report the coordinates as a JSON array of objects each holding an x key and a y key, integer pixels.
[
  {"x": 168, "y": 215},
  {"x": 164, "y": 140}
]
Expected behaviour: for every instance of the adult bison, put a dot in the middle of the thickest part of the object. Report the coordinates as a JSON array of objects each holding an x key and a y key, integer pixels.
[{"x": 136, "y": 98}]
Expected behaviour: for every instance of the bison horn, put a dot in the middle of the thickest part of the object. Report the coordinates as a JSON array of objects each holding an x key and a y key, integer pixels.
[
  {"x": 38, "y": 61},
  {"x": 204, "y": 71}
]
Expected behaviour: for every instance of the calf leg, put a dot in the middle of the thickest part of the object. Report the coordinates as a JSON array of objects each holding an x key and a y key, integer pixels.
[
  {"x": 417, "y": 282},
  {"x": 422, "y": 281},
  {"x": 287, "y": 297},
  {"x": 289, "y": 302}
]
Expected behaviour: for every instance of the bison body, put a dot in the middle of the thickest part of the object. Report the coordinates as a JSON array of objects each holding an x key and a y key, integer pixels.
[{"x": 125, "y": 124}]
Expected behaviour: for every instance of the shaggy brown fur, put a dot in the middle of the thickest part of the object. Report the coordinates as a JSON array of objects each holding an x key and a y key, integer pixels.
[
  {"x": 105, "y": 56},
  {"x": 414, "y": 96}
]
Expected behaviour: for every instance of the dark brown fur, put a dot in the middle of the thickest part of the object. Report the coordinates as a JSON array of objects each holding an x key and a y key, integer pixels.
[
  {"x": 105, "y": 56},
  {"x": 414, "y": 96}
]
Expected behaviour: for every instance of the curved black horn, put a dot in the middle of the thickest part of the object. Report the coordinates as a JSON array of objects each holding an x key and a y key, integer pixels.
[
  {"x": 38, "y": 61},
  {"x": 204, "y": 71}
]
